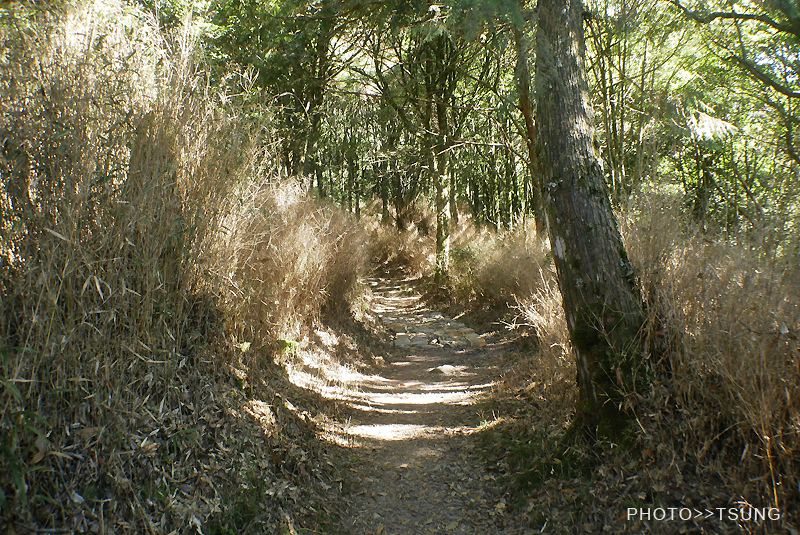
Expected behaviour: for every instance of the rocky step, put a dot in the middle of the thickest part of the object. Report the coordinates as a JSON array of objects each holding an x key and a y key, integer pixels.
[{"x": 440, "y": 331}]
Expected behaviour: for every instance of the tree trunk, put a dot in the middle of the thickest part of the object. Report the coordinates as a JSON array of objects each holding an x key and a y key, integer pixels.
[
  {"x": 524, "y": 88},
  {"x": 442, "y": 185},
  {"x": 320, "y": 182},
  {"x": 351, "y": 179},
  {"x": 400, "y": 204},
  {"x": 453, "y": 198},
  {"x": 601, "y": 302},
  {"x": 382, "y": 170}
]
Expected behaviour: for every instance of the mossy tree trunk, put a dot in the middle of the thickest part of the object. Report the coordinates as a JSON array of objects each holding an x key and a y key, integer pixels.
[{"x": 601, "y": 301}]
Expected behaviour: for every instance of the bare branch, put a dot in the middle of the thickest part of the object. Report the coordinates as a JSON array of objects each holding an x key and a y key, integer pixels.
[
  {"x": 709, "y": 17},
  {"x": 760, "y": 75}
]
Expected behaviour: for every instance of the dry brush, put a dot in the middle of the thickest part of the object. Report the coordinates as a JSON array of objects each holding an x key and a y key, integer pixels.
[{"x": 136, "y": 201}]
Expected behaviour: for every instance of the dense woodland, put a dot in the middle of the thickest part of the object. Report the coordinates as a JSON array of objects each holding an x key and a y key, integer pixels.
[{"x": 191, "y": 188}]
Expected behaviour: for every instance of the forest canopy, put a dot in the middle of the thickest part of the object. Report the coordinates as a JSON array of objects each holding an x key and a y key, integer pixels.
[{"x": 388, "y": 100}]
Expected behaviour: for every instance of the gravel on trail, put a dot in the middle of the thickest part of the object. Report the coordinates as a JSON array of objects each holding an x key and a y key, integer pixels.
[{"x": 412, "y": 428}]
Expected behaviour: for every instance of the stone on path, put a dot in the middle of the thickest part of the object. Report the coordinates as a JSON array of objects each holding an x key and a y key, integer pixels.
[
  {"x": 402, "y": 340},
  {"x": 475, "y": 340},
  {"x": 422, "y": 329},
  {"x": 419, "y": 339},
  {"x": 445, "y": 369}
]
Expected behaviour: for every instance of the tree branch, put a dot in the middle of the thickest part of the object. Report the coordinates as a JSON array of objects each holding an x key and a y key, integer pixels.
[
  {"x": 709, "y": 17},
  {"x": 760, "y": 75}
]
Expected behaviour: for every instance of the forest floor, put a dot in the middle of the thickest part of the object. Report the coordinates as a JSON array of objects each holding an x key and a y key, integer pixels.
[{"x": 408, "y": 429}]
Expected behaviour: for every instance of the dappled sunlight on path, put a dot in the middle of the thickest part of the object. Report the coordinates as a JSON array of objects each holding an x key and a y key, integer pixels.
[{"x": 408, "y": 424}]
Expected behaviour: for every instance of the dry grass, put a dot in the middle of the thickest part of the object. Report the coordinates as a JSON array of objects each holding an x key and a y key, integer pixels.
[
  {"x": 284, "y": 259},
  {"x": 123, "y": 407},
  {"x": 721, "y": 424},
  {"x": 492, "y": 269},
  {"x": 411, "y": 251},
  {"x": 554, "y": 366},
  {"x": 488, "y": 269},
  {"x": 730, "y": 309}
]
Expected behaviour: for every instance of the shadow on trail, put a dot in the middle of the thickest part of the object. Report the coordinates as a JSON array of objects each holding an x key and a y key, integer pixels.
[{"x": 408, "y": 426}]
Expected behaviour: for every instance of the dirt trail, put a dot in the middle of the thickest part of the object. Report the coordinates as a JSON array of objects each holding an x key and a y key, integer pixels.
[{"x": 411, "y": 425}]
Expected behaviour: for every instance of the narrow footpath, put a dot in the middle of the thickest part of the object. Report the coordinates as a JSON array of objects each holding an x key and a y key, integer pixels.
[{"x": 411, "y": 425}]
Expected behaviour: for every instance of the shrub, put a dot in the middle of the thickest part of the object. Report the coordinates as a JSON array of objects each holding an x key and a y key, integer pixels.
[
  {"x": 120, "y": 167},
  {"x": 725, "y": 311}
]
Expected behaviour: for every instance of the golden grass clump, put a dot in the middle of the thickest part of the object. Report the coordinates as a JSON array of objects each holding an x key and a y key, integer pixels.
[
  {"x": 487, "y": 268},
  {"x": 411, "y": 250},
  {"x": 120, "y": 166},
  {"x": 495, "y": 269},
  {"x": 725, "y": 313},
  {"x": 286, "y": 258},
  {"x": 543, "y": 312}
]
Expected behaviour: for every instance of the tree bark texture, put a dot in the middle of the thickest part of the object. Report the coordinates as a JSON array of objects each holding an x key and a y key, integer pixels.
[{"x": 600, "y": 298}]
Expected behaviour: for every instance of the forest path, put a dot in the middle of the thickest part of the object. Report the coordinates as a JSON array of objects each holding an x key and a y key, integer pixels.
[{"x": 411, "y": 425}]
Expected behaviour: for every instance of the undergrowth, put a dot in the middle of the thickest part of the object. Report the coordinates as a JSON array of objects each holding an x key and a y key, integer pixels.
[
  {"x": 153, "y": 269},
  {"x": 150, "y": 264},
  {"x": 719, "y": 425},
  {"x": 488, "y": 270}
]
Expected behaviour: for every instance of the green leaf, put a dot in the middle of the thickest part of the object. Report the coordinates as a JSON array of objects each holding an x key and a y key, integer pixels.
[
  {"x": 288, "y": 346},
  {"x": 14, "y": 390}
]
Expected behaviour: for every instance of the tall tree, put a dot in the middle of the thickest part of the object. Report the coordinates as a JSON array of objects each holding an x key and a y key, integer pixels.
[
  {"x": 437, "y": 55},
  {"x": 288, "y": 43},
  {"x": 602, "y": 304},
  {"x": 416, "y": 72},
  {"x": 523, "y": 79},
  {"x": 634, "y": 48}
]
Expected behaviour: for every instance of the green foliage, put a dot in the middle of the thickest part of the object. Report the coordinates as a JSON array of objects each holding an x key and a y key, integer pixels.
[
  {"x": 170, "y": 13},
  {"x": 288, "y": 347},
  {"x": 242, "y": 508},
  {"x": 356, "y": 88},
  {"x": 288, "y": 46}
]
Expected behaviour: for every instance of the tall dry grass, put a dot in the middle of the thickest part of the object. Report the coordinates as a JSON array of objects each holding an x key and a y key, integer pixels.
[
  {"x": 132, "y": 239},
  {"x": 488, "y": 269},
  {"x": 720, "y": 426},
  {"x": 411, "y": 251},
  {"x": 727, "y": 310},
  {"x": 493, "y": 269},
  {"x": 286, "y": 258}
]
